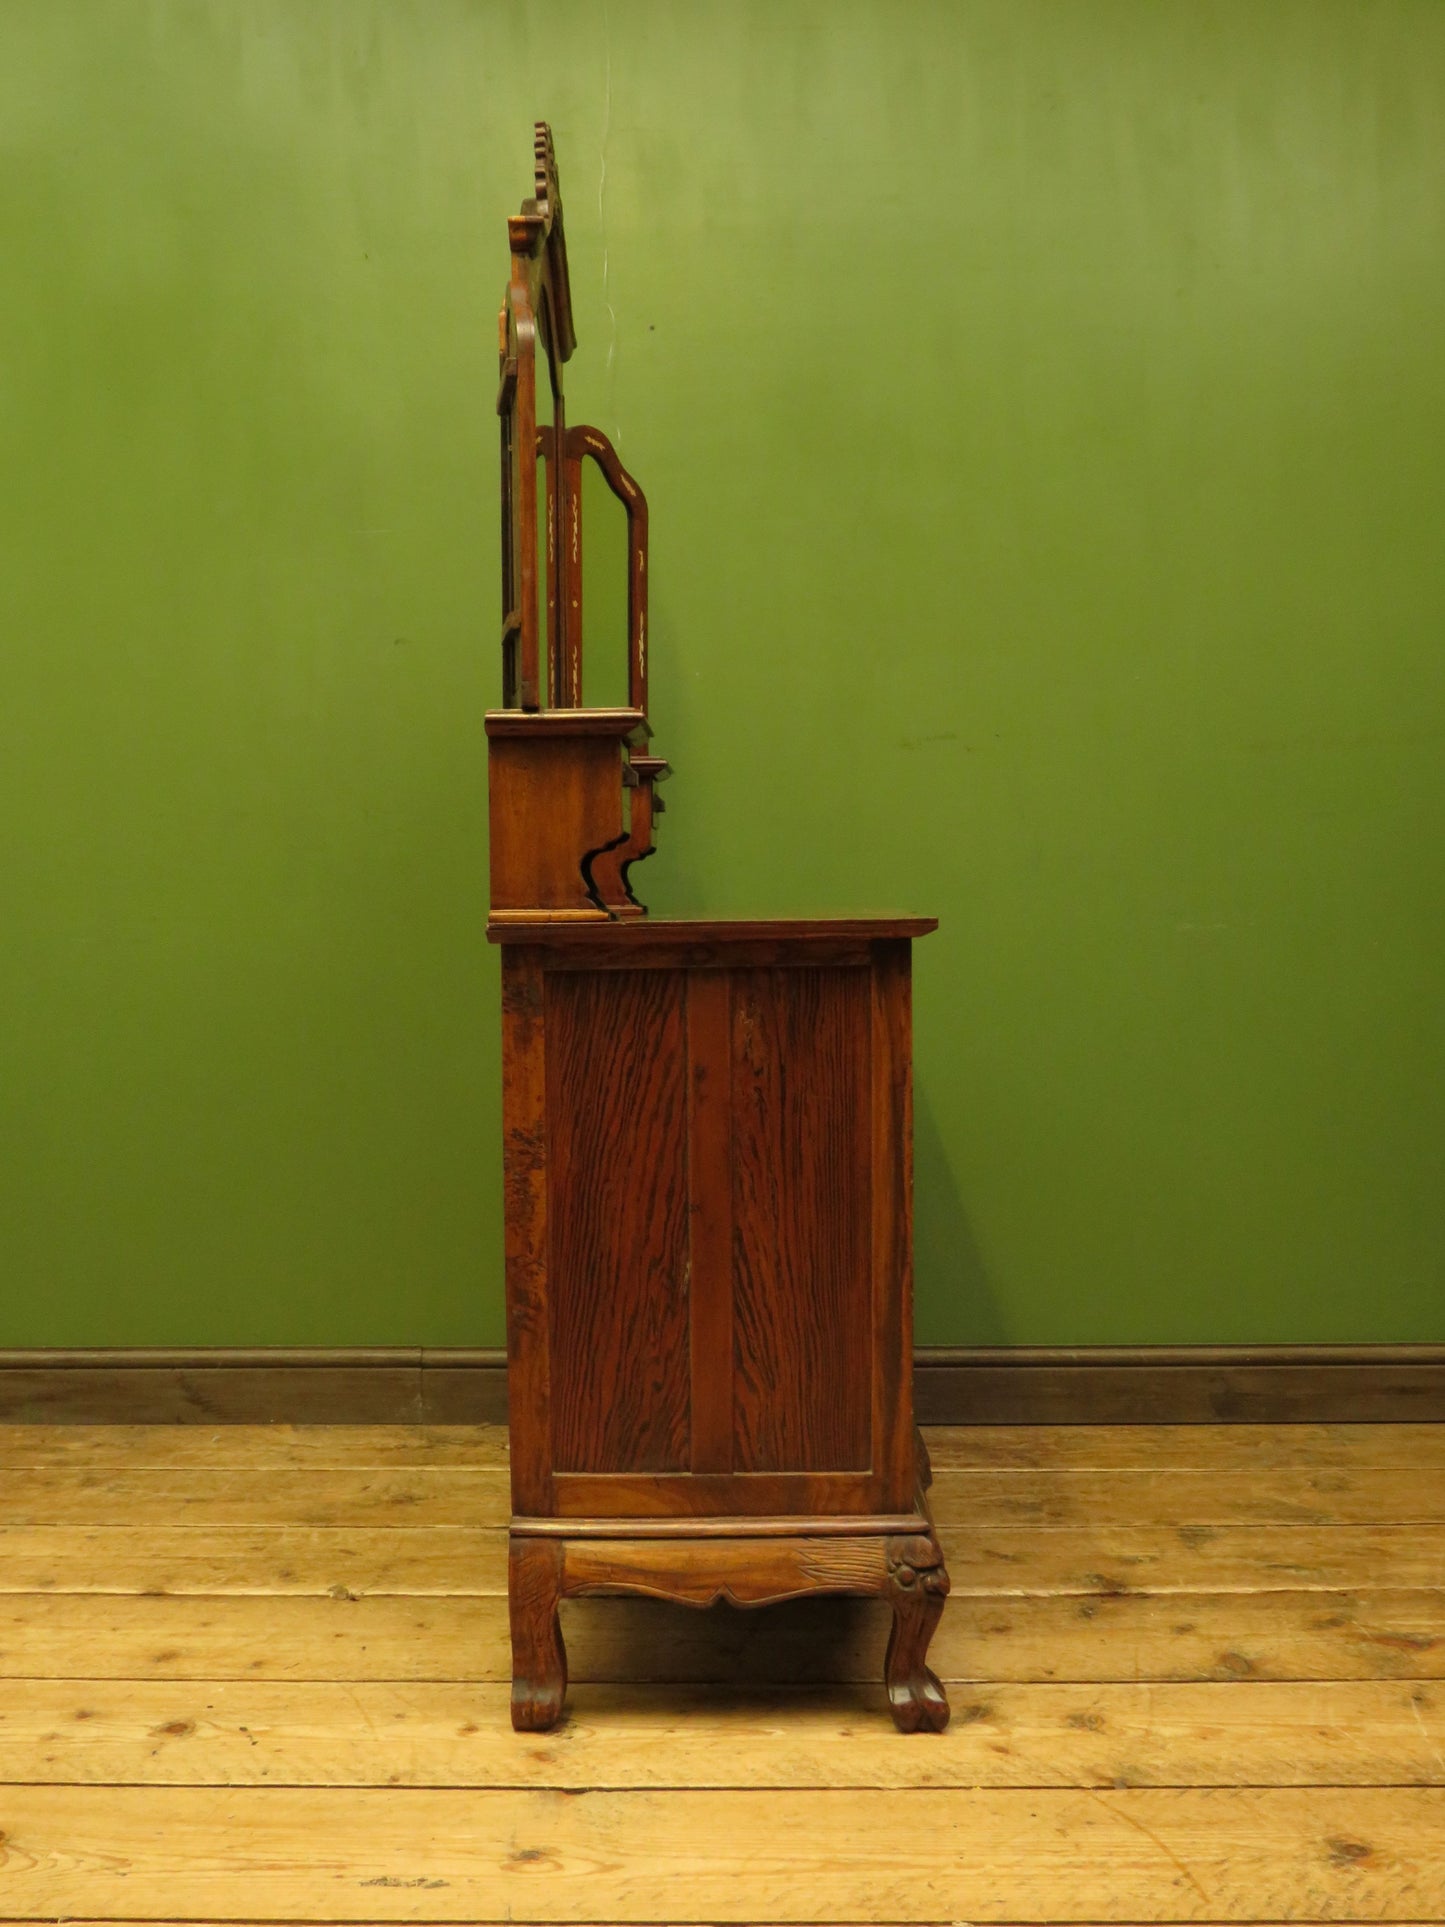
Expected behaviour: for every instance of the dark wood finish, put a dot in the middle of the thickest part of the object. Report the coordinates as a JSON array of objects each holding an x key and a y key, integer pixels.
[
  {"x": 802, "y": 1219},
  {"x": 709, "y": 1255},
  {"x": 625, "y": 725},
  {"x": 616, "y": 1178},
  {"x": 774, "y": 940},
  {"x": 784, "y": 1526},
  {"x": 787, "y": 1188},
  {"x": 916, "y": 1589},
  {"x": 569, "y": 586},
  {"x": 710, "y": 1225},
  {"x": 320, "y": 1385},
  {"x": 904, "y": 1568},
  {"x": 1181, "y": 1385},
  {"x": 524, "y": 1167},
  {"x": 568, "y": 822},
  {"x": 706, "y": 1138},
  {"x": 536, "y": 311},
  {"x": 646, "y": 1495},
  {"x": 539, "y": 1658},
  {"x": 583, "y": 441},
  {"x": 555, "y": 781}
]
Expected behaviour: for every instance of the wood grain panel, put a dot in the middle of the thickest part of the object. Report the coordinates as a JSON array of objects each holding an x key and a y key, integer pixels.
[
  {"x": 802, "y": 1220},
  {"x": 552, "y": 800},
  {"x": 617, "y": 1213},
  {"x": 911, "y": 1854},
  {"x": 710, "y": 1205},
  {"x": 524, "y": 1177},
  {"x": 608, "y": 1495}
]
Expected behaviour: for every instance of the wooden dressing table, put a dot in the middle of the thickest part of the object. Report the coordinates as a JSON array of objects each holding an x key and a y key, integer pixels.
[{"x": 708, "y": 1139}]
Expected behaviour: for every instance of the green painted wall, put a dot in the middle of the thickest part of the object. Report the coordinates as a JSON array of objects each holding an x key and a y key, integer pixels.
[{"x": 1042, "y": 408}]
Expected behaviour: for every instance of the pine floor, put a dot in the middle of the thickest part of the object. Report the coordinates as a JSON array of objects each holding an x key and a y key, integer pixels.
[{"x": 249, "y": 1674}]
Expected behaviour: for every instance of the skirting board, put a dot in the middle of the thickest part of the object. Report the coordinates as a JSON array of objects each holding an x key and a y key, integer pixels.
[{"x": 1026, "y": 1385}]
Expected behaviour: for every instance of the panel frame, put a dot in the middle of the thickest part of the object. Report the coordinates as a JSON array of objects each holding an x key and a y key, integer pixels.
[{"x": 711, "y": 1489}]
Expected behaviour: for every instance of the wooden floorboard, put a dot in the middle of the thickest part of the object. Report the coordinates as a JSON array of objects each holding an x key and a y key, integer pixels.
[
  {"x": 987, "y": 1561},
  {"x": 799, "y": 1854},
  {"x": 1124, "y": 1637},
  {"x": 478, "y": 1496},
  {"x": 99, "y": 1732},
  {"x": 260, "y": 1674},
  {"x": 1249, "y": 1449},
  {"x": 224, "y": 1448}
]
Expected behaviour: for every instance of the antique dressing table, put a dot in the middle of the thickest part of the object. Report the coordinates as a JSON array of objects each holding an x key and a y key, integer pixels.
[{"x": 707, "y": 1138}]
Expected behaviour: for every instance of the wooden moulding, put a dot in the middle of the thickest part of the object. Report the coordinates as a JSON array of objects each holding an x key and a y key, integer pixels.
[
  {"x": 683, "y": 932},
  {"x": 684, "y": 943},
  {"x": 995, "y": 1385},
  {"x": 615, "y": 725},
  {"x": 1180, "y": 1385},
  {"x": 261, "y": 1385}
]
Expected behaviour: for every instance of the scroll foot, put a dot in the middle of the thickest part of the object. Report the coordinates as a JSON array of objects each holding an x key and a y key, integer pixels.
[
  {"x": 917, "y": 1588},
  {"x": 539, "y": 1658}
]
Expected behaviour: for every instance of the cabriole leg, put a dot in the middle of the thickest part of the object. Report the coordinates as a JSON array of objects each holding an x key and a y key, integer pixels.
[
  {"x": 916, "y": 1589},
  {"x": 539, "y": 1658}
]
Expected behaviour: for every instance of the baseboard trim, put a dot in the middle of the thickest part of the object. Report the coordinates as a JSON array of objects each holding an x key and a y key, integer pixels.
[
  {"x": 304, "y": 1385},
  {"x": 1180, "y": 1385},
  {"x": 994, "y": 1385}
]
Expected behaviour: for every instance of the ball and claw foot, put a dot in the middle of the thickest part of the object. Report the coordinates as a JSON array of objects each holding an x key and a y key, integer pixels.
[{"x": 917, "y": 1588}]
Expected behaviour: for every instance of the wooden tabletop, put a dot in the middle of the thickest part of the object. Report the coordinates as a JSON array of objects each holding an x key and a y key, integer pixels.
[{"x": 683, "y": 931}]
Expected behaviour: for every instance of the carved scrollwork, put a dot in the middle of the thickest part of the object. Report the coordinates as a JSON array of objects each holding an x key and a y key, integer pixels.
[{"x": 917, "y": 1563}]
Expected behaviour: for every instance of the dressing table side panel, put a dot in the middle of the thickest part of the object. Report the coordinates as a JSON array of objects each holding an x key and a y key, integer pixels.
[
  {"x": 802, "y": 1198},
  {"x": 617, "y": 1218},
  {"x": 709, "y": 1250}
]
